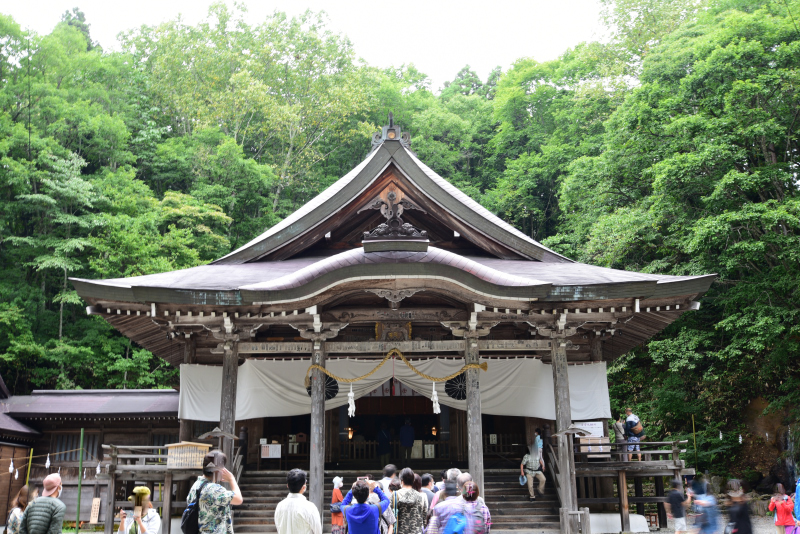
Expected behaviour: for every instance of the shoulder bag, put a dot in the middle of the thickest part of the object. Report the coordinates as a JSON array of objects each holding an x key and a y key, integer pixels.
[{"x": 190, "y": 520}]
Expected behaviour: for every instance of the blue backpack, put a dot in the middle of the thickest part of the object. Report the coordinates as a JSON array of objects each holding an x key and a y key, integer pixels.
[{"x": 457, "y": 524}]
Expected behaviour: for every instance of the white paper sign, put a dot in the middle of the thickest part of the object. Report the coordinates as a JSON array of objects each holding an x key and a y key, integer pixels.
[
  {"x": 271, "y": 451},
  {"x": 262, "y": 441},
  {"x": 595, "y": 427}
]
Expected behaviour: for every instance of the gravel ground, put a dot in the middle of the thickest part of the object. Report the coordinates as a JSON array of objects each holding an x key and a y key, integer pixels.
[{"x": 761, "y": 525}]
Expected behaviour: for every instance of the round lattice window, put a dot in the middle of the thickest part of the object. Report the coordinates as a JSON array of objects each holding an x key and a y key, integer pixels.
[
  {"x": 331, "y": 388},
  {"x": 456, "y": 388}
]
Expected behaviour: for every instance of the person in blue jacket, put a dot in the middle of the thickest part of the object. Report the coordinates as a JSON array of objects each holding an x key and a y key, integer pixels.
[{"x": 364, "y": 518}]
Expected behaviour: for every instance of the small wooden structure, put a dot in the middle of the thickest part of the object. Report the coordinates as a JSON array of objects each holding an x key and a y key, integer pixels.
[
  {"x": 392, "y": 249},
  {"x": 155, "y": 468}
]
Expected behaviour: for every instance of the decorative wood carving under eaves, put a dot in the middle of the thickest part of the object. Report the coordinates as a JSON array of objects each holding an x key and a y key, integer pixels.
[{"x": 394, "y": 296}]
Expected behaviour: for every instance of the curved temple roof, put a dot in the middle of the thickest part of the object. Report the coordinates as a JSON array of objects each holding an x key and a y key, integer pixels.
[
  {"x": 448, "y": 245},
  {"x": 441, "y": 192},
  {"x": 302, "y": 277}
]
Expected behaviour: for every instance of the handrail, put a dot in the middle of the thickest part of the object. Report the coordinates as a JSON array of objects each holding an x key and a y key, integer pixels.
[
  {"x": 237, "y": 463},
  {"x": 555, "y": 470}
]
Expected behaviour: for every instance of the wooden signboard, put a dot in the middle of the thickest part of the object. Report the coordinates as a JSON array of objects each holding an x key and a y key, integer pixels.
[
  {"x": 416, "y": 449},
  {"x": 430, "y": 450},
  {"x": 94, "y": 518}
]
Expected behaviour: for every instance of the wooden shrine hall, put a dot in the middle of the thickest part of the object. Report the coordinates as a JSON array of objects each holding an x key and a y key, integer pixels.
[{"x": 392, "y": 256}]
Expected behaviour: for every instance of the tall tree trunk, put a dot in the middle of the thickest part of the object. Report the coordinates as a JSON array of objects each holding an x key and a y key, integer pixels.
[
  {"x": 277, "y": 197},
  {"x": 61, "y": 310}
]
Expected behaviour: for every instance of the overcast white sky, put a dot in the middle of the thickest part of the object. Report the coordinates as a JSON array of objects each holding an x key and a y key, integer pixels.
[{"x": 438, "y": 36}]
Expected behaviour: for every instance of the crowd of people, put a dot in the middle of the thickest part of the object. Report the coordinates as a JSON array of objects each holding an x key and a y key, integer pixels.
[
  {"x": 699, "y": 502},
  {"x": 401, "y": 502}
]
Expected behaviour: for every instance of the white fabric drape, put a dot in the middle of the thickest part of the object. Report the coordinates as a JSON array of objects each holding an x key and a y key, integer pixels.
[{"x": 274, "y": 388}]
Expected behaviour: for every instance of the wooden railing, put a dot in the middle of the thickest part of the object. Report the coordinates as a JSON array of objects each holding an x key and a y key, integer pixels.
[
  {"x": 368, "y": 450},
  {"x": 505, "y": 444},
  {"x": 660, "y": 456},
  {"x": 551, "y": 463}
]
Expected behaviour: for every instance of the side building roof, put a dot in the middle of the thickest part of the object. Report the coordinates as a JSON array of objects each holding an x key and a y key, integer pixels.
[{"x": 134, "y": 403}]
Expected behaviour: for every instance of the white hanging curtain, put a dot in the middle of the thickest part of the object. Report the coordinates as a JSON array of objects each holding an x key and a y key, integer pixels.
[{"x": 274, "y": 388}]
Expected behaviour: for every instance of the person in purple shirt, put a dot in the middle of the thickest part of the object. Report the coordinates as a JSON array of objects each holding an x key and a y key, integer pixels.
[{"x": 406, "y": 439}]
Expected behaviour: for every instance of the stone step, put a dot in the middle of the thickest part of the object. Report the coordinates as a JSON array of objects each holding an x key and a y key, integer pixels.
[{"x": 528, "y": 528}]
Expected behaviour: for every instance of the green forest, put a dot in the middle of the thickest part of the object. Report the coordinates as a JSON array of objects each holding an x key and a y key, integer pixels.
[{"x": 671, "y": 147}]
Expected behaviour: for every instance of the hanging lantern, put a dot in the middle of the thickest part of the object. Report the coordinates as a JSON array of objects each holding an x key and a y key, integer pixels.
[
  {"x": 47, "y": 463},
  {"x": 351, "y": 403},
  {"x": 11, "y": 466},
  {"x": 435, "y": 400}
]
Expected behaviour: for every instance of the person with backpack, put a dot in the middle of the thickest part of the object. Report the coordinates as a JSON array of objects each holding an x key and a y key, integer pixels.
[
  {"x": 45, "y": 515},
  {"x": 477, "y": 510},
  {"x": 634, "y": 432},
  {"x": 410, "y": 507},
  {"x": 364, "y": 517},
  {"x": 450, "y": 515},
  {"x": 212, "y": 501}
]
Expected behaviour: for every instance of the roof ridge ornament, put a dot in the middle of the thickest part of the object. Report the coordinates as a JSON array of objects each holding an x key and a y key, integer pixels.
[
  {"x": 394, "y": 234},
  {"x": 392, "y": 132}
]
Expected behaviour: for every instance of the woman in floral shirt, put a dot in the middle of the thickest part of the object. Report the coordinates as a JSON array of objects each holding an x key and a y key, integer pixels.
[
  {"x": 214, "y": 509},
  {"x": 18, "y": 506}
]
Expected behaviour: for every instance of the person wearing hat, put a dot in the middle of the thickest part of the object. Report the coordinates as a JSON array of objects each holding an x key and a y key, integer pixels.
[
  {"x": 337, "y": 520},
  {"x": 214, "y": 506},
  {"x": 739, "y": 512},
  {"x": 532, "y": 466},
  {"x": 147, "y": 522},
  {"x": 46, "y": 514}
]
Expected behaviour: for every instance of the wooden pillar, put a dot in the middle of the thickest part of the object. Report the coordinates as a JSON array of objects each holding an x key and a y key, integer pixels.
[
  {"x": 111, "y": 492},
  {"x": 317, "y": 431},
  {"x": 662, "y": 508},
  {"x": 166, "y": 510},
  {"x": 563, "y": 419},
  {"x": 622, "y": 489},
  {"x": 190, "y": 349},
  {"x": 186, "y": 429},
  {"x": 474, "y": 426},
  {"x": 595, "y": 348},
  {"x": 561, "y": 385},
  {"x": 227, "y": 411},
  {"x": 638, "y": 491}
]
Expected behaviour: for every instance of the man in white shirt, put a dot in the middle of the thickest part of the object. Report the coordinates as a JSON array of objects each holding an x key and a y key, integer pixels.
[
  {"x": 388, "y": 474},
  {"x": 294, "y": 514}
]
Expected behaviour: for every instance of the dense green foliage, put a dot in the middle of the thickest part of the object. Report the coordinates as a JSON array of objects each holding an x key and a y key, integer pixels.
[{"x": 673, "y": 148}]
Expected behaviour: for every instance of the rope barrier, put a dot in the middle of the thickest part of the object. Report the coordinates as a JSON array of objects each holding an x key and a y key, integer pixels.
[{"x": 483, "y": 366}]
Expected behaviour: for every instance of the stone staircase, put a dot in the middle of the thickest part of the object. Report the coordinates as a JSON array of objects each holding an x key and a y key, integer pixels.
[{"x": 512, "y": 511}]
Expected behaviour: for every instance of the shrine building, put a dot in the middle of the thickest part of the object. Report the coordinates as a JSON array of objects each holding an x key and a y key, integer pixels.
[{"x": 394, "y": 265}]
